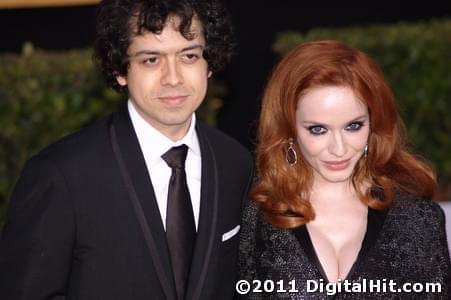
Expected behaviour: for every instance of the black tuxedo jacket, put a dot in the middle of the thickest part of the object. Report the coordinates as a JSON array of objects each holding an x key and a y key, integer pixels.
[{"x": 83, "y": 222}]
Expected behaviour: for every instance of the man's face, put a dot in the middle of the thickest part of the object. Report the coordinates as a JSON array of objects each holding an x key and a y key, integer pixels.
[{"x": 167, "y": 77}]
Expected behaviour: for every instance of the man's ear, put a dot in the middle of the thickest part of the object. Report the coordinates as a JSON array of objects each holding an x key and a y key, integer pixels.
[{"x": 121, "y": 80}]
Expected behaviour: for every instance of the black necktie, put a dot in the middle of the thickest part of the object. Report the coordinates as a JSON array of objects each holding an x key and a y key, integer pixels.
[{"x": 180, "y": 226}]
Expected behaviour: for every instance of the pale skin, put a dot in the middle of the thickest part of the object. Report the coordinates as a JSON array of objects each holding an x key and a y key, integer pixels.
[
  {"x": 167, "y": 77},
  {"x": 333, "y": 127}
]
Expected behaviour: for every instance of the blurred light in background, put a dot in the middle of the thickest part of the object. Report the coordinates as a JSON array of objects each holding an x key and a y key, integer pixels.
[{"x": 13, "y": 4}]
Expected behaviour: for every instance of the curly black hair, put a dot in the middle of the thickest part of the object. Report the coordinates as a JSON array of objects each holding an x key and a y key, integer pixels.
[{"x": 119, "y": 20}]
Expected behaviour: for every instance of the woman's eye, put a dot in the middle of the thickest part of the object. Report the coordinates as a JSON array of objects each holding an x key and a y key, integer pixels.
[
  {"x": 317, "y": 130},
  {"x": 354, "y": 126}
]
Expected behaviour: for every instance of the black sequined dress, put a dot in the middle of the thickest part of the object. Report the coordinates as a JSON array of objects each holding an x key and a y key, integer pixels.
[{"x": 403, "y": 245}]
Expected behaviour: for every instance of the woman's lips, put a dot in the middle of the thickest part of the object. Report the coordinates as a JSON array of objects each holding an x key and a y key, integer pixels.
[{"x": 337, "y": 165}]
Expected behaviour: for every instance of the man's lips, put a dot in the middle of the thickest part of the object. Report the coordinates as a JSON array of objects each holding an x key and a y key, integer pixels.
[{"x": 173, "y": 99}]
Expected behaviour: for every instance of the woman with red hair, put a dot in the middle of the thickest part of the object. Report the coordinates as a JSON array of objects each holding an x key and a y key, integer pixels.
[{"x": 339, "y": 201}]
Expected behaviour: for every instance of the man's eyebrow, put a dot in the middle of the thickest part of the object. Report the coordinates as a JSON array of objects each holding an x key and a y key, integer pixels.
[
  {"x": 197, "y": 46},
  {"x": 156, "y": 52},
  {"x": 146, "y": 52}
]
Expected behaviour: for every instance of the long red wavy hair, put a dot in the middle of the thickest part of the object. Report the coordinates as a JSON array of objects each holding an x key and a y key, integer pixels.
[{"x": 282, "y": 191}]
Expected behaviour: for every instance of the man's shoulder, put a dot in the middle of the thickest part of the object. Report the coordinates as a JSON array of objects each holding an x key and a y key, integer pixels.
[
  {"x": 78, "y": 143},
  {"x": 223, "y": 143}
]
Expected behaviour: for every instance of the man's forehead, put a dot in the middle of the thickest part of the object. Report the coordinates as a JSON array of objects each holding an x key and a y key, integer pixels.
[
  {"x": 169, "y": 40},
  {"x": 174, "y": 22}
]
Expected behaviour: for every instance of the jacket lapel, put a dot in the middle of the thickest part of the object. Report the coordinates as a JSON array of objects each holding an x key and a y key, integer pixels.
[
  {"x": 207, "y": 217},
  {"x": 137, "y": 180}
]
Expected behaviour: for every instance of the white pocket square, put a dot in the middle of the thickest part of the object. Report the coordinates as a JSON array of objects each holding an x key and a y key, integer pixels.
[{"x": 229, "y": 234}]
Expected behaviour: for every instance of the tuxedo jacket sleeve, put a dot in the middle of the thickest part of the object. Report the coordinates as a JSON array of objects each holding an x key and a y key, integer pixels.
[
  {"x": 83, "y": 222},
  {"x": 37, "y": 242}
]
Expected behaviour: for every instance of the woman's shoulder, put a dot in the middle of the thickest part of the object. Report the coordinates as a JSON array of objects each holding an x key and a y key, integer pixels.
[
  {"x": 251, "y": 210},
  {"x": 410, "y": 211},
  {"x": 416, "y": 206},
  {"x": 254, "y": 220}
]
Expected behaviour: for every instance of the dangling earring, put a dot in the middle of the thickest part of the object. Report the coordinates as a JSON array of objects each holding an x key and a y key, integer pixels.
[
  {"x": 290, "y": 154},
  {"x": 365, "y": 151}
]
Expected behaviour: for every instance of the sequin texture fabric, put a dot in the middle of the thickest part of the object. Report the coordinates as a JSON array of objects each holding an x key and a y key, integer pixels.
[{"x": 410, "y": 247}]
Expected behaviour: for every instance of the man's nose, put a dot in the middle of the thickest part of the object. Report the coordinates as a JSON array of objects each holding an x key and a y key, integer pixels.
[{"x": 171, "y": 74}]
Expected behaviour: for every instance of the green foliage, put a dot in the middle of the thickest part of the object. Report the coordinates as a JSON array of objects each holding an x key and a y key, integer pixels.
[
  {"x": 46, "y": 95},
  {"x": 416, "y": 60}
]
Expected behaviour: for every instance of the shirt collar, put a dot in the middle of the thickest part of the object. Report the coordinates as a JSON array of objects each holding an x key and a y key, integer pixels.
[{"x": 153, "y": 143}]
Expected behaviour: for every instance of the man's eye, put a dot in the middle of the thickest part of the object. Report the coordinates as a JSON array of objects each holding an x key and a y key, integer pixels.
[
  {"x": 151, "y": 61},
  {"x": 354, "y": 126},
  {"x": 316, "y": 130},
  {"x": 190, "y": 57}
]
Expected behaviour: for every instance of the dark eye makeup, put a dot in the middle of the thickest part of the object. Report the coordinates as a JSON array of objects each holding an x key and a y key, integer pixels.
[{"x": 320, "y": 129}]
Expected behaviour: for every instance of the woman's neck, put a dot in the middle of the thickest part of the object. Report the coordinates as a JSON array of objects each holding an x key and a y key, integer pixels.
[{"x": 333, "y": 191}]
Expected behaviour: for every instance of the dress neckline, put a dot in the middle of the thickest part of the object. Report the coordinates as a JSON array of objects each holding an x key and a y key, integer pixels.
[{"x": 375, "y": 221}]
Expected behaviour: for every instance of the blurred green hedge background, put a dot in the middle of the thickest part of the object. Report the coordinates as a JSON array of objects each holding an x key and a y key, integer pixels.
[{"x": 46, "y": 95}]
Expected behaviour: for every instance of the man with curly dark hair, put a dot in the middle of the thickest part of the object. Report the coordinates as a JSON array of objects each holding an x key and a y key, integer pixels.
[{"x": 146, "y": 203}]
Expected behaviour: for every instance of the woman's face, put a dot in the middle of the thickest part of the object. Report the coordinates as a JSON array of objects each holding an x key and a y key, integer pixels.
[{"x": 333, "y": 127}]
